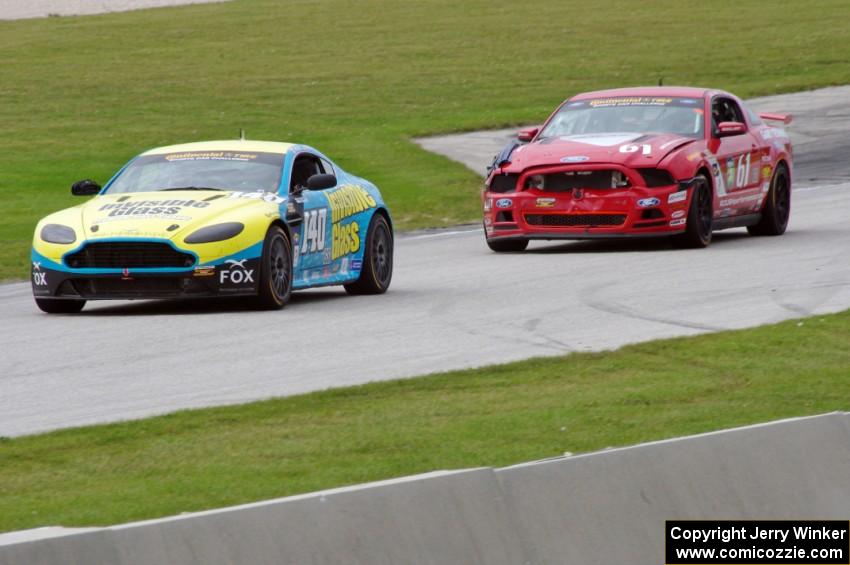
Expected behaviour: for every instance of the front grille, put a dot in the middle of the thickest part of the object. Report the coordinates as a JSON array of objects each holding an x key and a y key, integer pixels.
[
  {"x": 131, "y": 255},
  {"x": 572, "y": 220},
  {"x": 569, "y": 180}
]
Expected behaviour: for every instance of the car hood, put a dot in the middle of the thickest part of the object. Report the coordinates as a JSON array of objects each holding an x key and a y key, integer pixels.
[
  {"x": 166, "y": 215},
  {"x": 627, "y": 149}
]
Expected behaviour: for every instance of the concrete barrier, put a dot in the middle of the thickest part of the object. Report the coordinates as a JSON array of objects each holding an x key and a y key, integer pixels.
[
  {"x": 605, "y": 507},
  {"x": 443, "y": 517},
  {"x": 52, "y": 546},
  {"x": 610, "y": 507}
]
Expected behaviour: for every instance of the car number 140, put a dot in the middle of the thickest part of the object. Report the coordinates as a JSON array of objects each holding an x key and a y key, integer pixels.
[{"x": 315, "y": 224}]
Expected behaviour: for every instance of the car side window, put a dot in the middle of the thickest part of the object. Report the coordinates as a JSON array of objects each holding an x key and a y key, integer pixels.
[
  {"x": 328, "y": 168},
  {"x": 304, "y": 167},
  {"x": 725, "y": 110},
  {"x": 754, "y": 118}
]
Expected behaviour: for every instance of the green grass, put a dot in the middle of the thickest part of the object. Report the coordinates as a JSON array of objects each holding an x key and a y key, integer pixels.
[
  {"x": 496, "y": 416},
  {"x": 82, "y": 95}
]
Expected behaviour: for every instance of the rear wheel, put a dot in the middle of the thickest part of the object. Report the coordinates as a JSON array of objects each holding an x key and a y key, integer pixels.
[
  {"x": 275, "y": 270},
  {"x": 698, "y": 226},
  {"x": 53, "y": 306},
  {"x": 777, "y": 210},
  {"x": 377, "y": 271}
]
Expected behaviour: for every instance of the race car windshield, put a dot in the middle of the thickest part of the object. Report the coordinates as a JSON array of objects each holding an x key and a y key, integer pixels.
[
  {"x": 202, "y": 170},
  {"x": 633, "y": 114}
]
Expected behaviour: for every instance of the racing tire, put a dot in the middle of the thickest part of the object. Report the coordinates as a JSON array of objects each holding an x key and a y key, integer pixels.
[
  {"x": 777, "y": 209},
  {"x": 697, "y": 232},
  {"x": 377, "y": 271},
  {"x": 53, "y": 306},
  {"x": 275, "y": 284},
  {"x": 507, "y": 245}
]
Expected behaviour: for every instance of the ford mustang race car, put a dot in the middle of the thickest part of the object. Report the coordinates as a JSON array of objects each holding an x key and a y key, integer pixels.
[
  {"x": 638, "y": 162},
  {"x": 217, "y": 218}
]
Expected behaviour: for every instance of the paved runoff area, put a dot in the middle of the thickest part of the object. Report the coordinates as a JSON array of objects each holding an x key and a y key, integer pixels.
[
  {"x": 453, "y": 304},
  {"x": 22, "y": 9}
]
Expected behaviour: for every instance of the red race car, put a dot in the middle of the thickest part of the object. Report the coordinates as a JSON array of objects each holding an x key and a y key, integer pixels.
[{"x": 640, "y": 162}]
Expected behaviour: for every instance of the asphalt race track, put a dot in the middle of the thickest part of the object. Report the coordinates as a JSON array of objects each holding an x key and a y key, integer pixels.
[{"x": 452, "y": 304}]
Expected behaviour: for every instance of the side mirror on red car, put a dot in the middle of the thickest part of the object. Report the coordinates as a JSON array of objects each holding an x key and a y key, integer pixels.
[
  {"x": 726, "y": 129},
  {"x": 527, "y": 134}
]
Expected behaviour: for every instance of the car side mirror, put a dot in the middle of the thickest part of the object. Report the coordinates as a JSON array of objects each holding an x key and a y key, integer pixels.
[
  {"x": 527, "y": 134},
  {"x": 726, "y": 129},
  {"x": 321, "y": 182},
  {"x": 85, "y": 187}
]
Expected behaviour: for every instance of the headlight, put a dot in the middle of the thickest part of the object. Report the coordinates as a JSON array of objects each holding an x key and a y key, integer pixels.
[
  {"x": 218, "y": 232},
  {"x": 57, "y": 233},
  {"x": 535, "y": 181}
]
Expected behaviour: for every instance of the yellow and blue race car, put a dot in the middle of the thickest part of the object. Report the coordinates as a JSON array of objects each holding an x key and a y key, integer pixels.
[{"x": 215, "y": 218}]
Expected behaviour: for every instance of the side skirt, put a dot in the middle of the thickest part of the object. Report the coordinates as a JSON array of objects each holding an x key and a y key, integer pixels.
[{"x": 735, "y": 222}]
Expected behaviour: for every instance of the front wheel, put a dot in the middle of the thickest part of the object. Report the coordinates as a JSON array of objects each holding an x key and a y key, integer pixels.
[
  {"x": 377, "y": 271},
  {"x": 275, "y": 270},
  {"x": 53, "y": 306},
  {"x": 698, "y": 225},
  {"x": 777, "y": 210}
]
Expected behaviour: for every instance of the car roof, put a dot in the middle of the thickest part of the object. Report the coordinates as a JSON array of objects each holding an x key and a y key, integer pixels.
[
  {"x": 225, "y": 145},
  {"x": 684, "y": 91}
]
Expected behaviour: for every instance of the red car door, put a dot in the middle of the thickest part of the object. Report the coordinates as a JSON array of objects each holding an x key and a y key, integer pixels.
[{"x": 738, "y": 168}]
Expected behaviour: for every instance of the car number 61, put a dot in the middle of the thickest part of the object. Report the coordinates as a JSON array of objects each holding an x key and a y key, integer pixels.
[{"x": 644, "y": 148}]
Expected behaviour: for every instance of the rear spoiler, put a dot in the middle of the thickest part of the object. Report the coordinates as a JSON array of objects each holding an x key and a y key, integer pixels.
[{"x": 784, "y": 118}]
